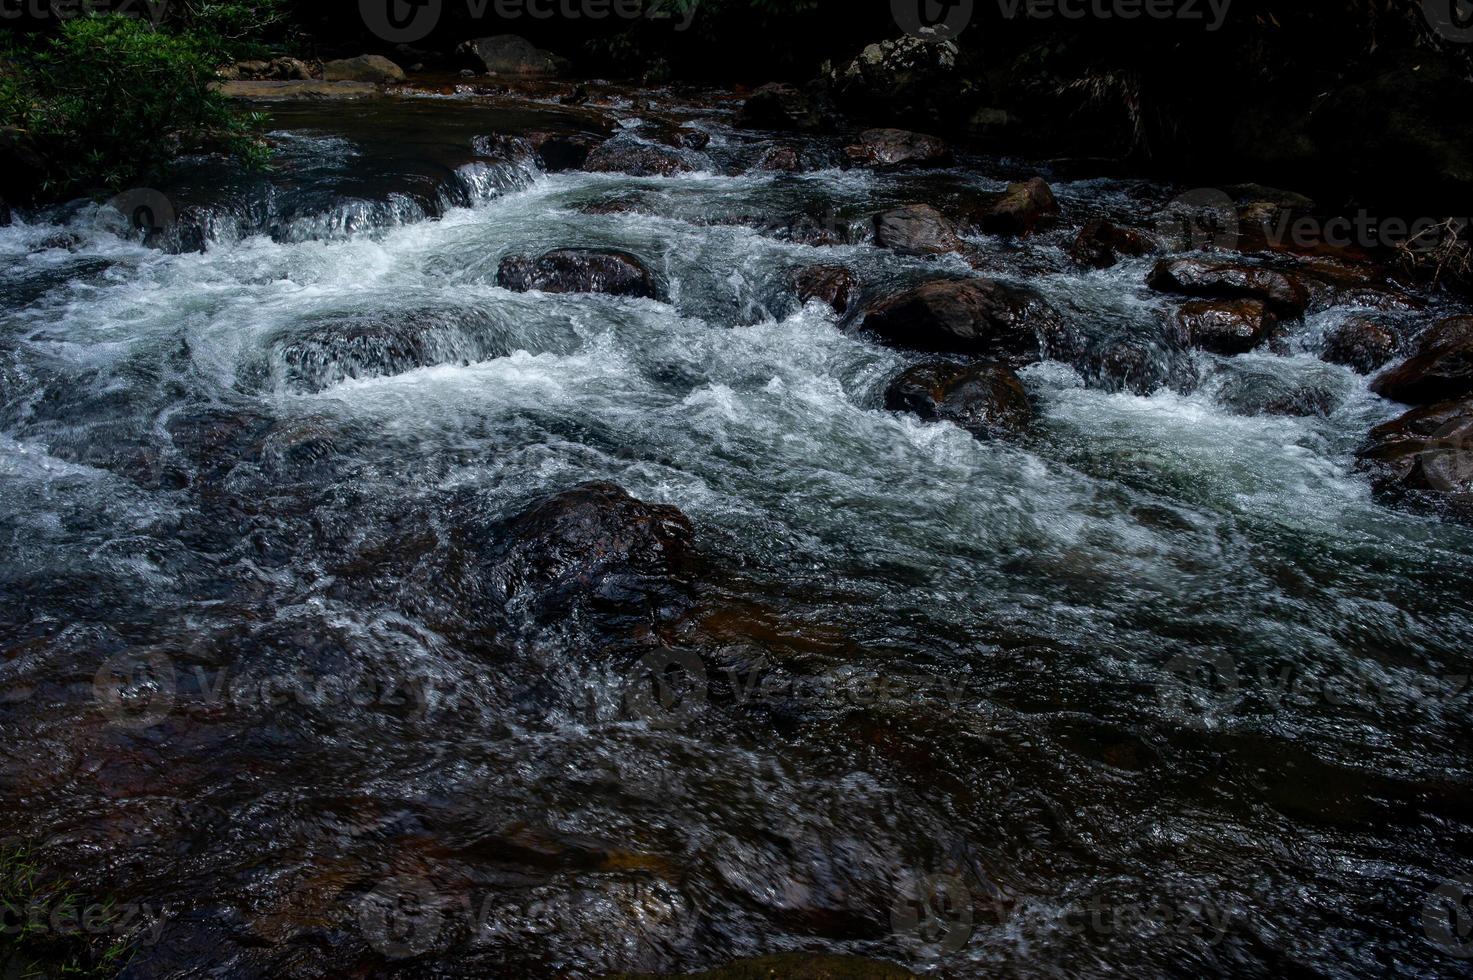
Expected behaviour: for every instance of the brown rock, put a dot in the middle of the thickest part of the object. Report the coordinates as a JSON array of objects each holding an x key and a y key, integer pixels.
[
  {"x": 972, "y": 316},
  {"x": 986, "y": 399},
  {"x": 784, "y": 159},
  {"x": 833, "y": 284},
  {"x": 1283, "y": 294},
  {"x": 1100, "y": 244},
  {"x": 898, "y": 147},
  {"x": 622, "y": 155},
  {"x": 1021, "y": 209},
  {"x": 1441, "y": 367},
  {"x": 915, "y": 229},
  {"x": 573, "y": 270},
  {"x": 778, "y": 106},
  {"x": 364, "y": 68},
  {"x": 1226, "y": 327},
  {"x": 1425, "y": 459},
  {"x": 1361, "y": 343}
]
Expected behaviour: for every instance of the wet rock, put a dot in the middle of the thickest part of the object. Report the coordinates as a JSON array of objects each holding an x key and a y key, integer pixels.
[
  {"x": 694, "y": 139},
  {"x": 915, "y": 229},
  {"x": 594, "y": 541},
  {"x": 625, "y": 155},
  {"x": 1100, "y": 244},
  {"x": 1284, "y": 294},
  {"x": 900, "y": 79},
  {"x": 364, "y": 68},
  {"x": 572, "y": 270},
  {"x": 1021, "y": 209},
  {"x": 832, "y": 284},
  {"x": 784, "y": 159},
  {"x": 1261, "y": 393},
  {"x": 578, "y": 96},
  {"x": 1261, "y": 205},
  {"x": 898, "y": 147},
  {"x": 556, "y": 151},
  {"x": 509, "y": 54},
  {"x": 1425, "y": 459},
  {"x": 792, "y": 966},
  {"x": 270, "y": 91},
  {"x": 1440, "y": 368},
  {"x": 1362, "y": 344},
  {"x": 1226, "y": 327},
  {"x": 779, "y": 106},
  {"x": 280, "y": 69},
  {"x": 972, "y": 316},
  {"x": 986, "y": 399},
  {"x": 1139, "y": 365}
]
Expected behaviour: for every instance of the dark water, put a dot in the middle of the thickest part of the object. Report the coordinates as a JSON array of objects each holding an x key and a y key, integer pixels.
[{"x": 1157, "y": 690}]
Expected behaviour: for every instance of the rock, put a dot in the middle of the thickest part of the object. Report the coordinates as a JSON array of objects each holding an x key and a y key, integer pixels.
[
  {"x": 290, "y": 70},
  {"x": 1284, "y": 294},
  {"x": 1226, "y": 326},
  {"x": 625, "y": 155},
  {"x": 593, "y": 542},
  {"x": 573, "y": 270},
  {"x": 778, "y": 106},
  {"x": 1262, "y": 393},
  {"x": 578, "y": 96},
  {"x": 1425, "y": 459},
  {"x": 1139, "y": 365},
  {"x": 1100, "y": 244},
  {"x": 898, "y": 147},
  {"x": 1440, "y": 368},
  {"x": 792, "y": 966},
  {"x": 1260, "y": 205},
  {"x": 832, "y": 284},
  {"x": 268, "y": 91},
  {"x": 915, "y": 229},
  {"x": 556, "y": 151},
  {"x": 364, "y": 68},
  {"x": 1021, "y": 209},
  {"x": 986, "y": 399},
  {"x": 509, "y": 54},
  {"x": 784, "y": 159},
  {"x": 971, "y": 316},
  {"x": 694, "y": 139},
  {"x": 1362, "y": 344},
  {"x": 901, "y": 79}
]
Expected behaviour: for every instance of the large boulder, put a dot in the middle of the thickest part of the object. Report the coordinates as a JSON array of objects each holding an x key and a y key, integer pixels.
[
  {"x": 972, "y": 316},
  {"x": 556, "y": 151},
  {"x": 1285, "y": 295},
  {"x": 364, "y": 68},
  {"x": 315, "y": 89},
  {"x": 574, "y": 270},
  {"x": 1021, "y": 209},
  {"x": 625, "y": 155},
  {"x": 1226, "y": 326},
  {"x": 1440, "y": 368},
  {"x": 778, "y": 106},
  {"x": 831, "y": 284},
  {"x": 986, "y": 399},
  {"x": 915, "y": 229},
  {"x": 509, "y": 54},
  {"x": 1101, "y": 243},
  {"x": 1361, "y": 343},
  {"x": 896, "y": 148},
  {"x": 1425, "y": 459},
  {"x": 903, "y": 79}
]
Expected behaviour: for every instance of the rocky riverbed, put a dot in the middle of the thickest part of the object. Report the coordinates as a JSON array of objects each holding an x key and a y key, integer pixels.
[{"x": 555, "y": 530}]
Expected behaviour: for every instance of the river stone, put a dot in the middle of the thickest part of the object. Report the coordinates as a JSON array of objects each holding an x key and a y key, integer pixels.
[
  {"x": 1226, "y": 326},
  {"x": 1100, "y": 244},
  {"x": 898, "y": 147},
  {"x": 625, "y": 155},
  {"x": 270, "y": 91},
  {"x": 555, "y": 151},
  {"x": 1263, "y": 393},
  {"x": 971, "y": 316},
  {"x": 1285, "y": 295},
  {"x": 1139, "y": 365},
  {"x": 1425, "y": 459},
  {"x": 915, "y": 229},
  {"x": 510, "y": 54},
  {"x": 364, "y": 68},
  {"x": 781, "y": 159},
  {"x": 575, "y": 270},
  {"x": 779, "y": 106},
  {"x": 1021, "y": 209},
  {"x": 791, "y": 966},
  {"x": 832, "y": 284},
  {"x": 986, "y": 399},
  {"x": 1440, "y": 368},
  {"x": 1361, "y": 343}
]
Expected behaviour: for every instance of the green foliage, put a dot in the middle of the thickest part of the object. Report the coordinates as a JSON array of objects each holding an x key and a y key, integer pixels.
[
  {"x": 234, "y": 30},
  {"x": 30, "y": 909},
  {"x": 110, "y": 101}
]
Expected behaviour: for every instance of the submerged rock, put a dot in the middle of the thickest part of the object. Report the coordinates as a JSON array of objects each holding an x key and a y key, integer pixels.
[
  {"x": 573, "y": 270},
  {"x": 832, "y": 284},
  {"x": 791, "y": 966},
  {"x": 1226, "y": 327},
  {"x": 972, "y": 316},
  {"x": 364, "y": 68},
  {"x": 915, "y": 229},
  {"x": 1362, "y": 344},
  {"x": 986, "y": 399},
  {"x": 510, "y": 54},
  {"x": 898, "y": 147},
  {"x": 1100, "y": 244},
  {"x": 1021, "y": 209},
  {"x": 1139, "y": 365},
  {"x": 1285, "y": 295},
  {"x": 1440, "y": 368},
  {"x": 1259, "y": 393},
  {"x": 779, "y": 106},
  {"x": 625, "y": 155},
  {"x": 1425, "y": 459}
]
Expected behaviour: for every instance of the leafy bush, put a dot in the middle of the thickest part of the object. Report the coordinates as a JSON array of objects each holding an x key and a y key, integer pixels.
[{"x": 110, "y": 101}]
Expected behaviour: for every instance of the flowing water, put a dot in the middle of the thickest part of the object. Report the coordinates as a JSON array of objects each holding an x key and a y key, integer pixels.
[{"x": 1157, "y": 689}]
